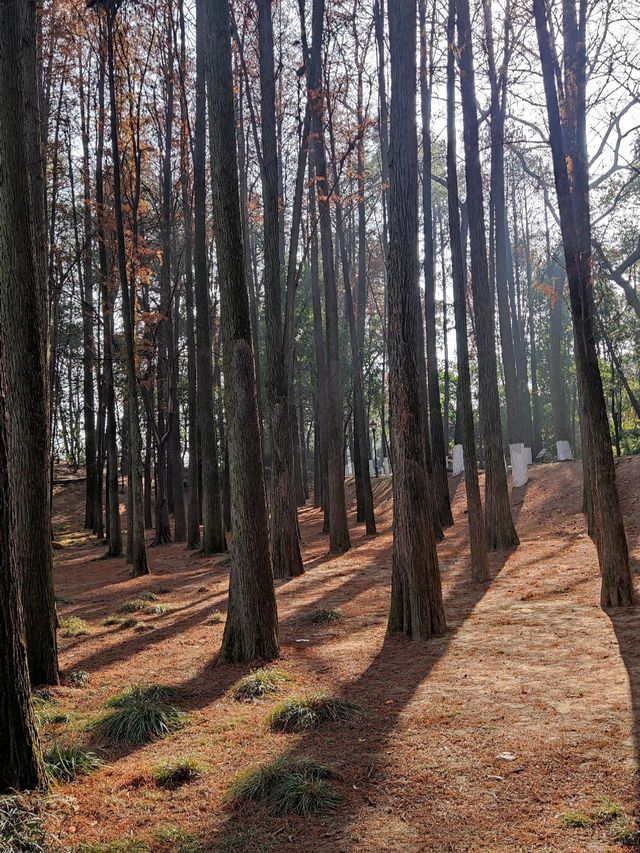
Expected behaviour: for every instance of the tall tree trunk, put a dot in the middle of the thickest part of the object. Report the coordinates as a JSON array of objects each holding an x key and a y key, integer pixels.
[
  {"x": 23, "y": 320},
  {"x": 213, "y": 538},
  {"x": 139, "y": 551},
  {"x": 464, "y": 421},
  {"x": 88, "y": 354},
  {"x": 568, "y": 145},
  {"x": 285, "y": 547},
  {"x": 339, "y": 538},
  {"x": 193, "y": 512},
  {"x": 556, "y": 383},
  {"x": 114, "y": 531},
  {"x": 438, "y": 448},
  {"x": 251, "y": 629},
  {"x": 499, "y": 528},
  {"x": 416, "y": 595},
  {"x": 536, "y": 444},
  {"x": 20, "y": 757}
]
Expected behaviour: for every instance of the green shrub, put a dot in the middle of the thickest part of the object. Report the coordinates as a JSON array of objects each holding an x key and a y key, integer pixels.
[
  {"x": 299, "y": 786},
  {"x": 310, "y": 711},
  {"x": 139, "y": 715},
  {"x": 172, "y": 774},
  {"x": 21, "y": 829},
  {"x": 66, "y": 763},
  {"x": 259, "y": 683},
  {"x": 72, "y": 626}
]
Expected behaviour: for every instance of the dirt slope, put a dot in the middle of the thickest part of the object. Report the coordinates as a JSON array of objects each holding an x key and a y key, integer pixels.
[{"x": 530, "y": 667}]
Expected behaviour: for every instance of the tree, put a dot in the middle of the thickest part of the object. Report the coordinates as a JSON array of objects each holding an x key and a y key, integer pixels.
[
  {"x": 567, "y": 138},
  {"x": 339, "y": 538},
  {"x": 436, "y": 431},
  {"x": 499, "y": 528},
  {"x": 285, "y": 547},
  {"x": 213, "y": 538},
  {"x": 416, "y": 595},
  {"x": 251, "y": 629},
  {"x": 479, "y": 564},
  {"x": 23, "y": 300}
]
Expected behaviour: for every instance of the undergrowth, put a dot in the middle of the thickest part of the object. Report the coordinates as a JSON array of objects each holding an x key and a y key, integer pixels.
[
  {"x": 259, "y": 683},
  {"x": 307, "y": 712},
  {"x": 139, "y": 715},
  {"x": 66, "y": 763},
  {"x": 172, "y": 774}
]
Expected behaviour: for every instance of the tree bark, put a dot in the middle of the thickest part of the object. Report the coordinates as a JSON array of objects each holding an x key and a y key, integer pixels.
[{"x": 23, "y": 319}]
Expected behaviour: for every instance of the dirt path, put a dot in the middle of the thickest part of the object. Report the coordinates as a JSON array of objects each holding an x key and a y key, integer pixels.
[{"x": 530, "y": 667}]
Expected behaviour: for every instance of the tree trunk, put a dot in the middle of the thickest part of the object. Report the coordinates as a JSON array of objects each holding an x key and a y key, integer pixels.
[
  {"x": 416, "y": 595},
  {"x": 139, "y": 552},
  {"x": 556, "y": 383},
  {"x": 438, "y": 448},
  {"x": 21, "y": 764},
  {"x": 213, "y": 538},
  {"x": 285, "y": 547},
  {"x": 464, "y": 421},
  {"x": 568, "y": 145},
  {"x": 499, "y": 528},
  {"x": 23, "y": 320},
  {"x": 251, "y": 629},
  {"x": 339, "y": 538}
]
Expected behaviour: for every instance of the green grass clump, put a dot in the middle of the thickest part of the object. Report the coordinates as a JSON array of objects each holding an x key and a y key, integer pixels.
[
  {"x": 134, "y": 605},
  {"x": 624, "y": 831},
  {"x": 124, "y": 846},
  {"x": 172, "y": 774},
  {"x": 288, "y": 786},
  {"x": 66, "y": 763},
  {"x": 111, "y": 620},
  {"x": 323, "y": 616},
  {"x": 259, "y": 683},
  {"x": 181, "y": 840},
  {"x": 575, "y": 819},
  {"x": 73, "y": 626},
  {"x": 149, "y": 596},
  {"x": 608, "y": 810},
  {"x": 78, "y": 678},
  {"x": 21, "y": 829},
  {"x": 139, "y": 715},
  {"x": 307, "y": 712},
  {"x": 216, "y": 618}
]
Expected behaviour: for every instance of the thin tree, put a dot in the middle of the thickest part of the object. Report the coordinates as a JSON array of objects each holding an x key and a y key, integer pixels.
[
  {"x": 213, "y": 538},
  {"x": 436, "y": 433},
  {"x": 479, "y": 563},
  {"x": 285, "y": 546},
  {"x": 499, "y": 528},
  {"x": 416, "y": 595},
  {"x": 251, "y": 629},
  {"x": 567, "y": 138}
]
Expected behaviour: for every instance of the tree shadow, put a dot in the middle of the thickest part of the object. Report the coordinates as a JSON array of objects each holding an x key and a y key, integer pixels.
[{"x": 357, "y": 749}]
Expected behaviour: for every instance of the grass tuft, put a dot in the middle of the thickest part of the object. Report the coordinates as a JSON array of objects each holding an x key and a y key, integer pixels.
[
  {"x": 78, "y": 678},
  {"x": 21, "y": 829},
  {"x": 172, "y": 774},
  {"x": 66, "y": 763},
  {"x": 73, "y": 626},
  {"x": 128, "y": 845},
  {"x": 139, "y": 715},
  {"x": 624, "y": 831},
  {"x": 323, "y": 616},
  {"x": 310, "y": 711},
  {"x": 216, "y": 618},
  {"x": 608, "y": 810},
  {"x": 134, "y": 605},
  {"x": 259, "y": 683},
  {"x": 149, "y": 596},
  {"x": 575, "y": 819},
  {"x": 288, "y": 786}
]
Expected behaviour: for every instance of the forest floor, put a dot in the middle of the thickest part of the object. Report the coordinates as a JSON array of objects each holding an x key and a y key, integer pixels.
[{"x": 480, "y": 740}]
